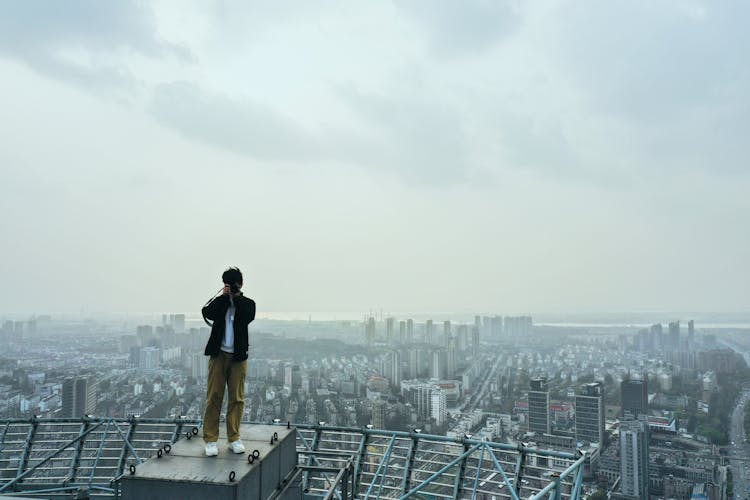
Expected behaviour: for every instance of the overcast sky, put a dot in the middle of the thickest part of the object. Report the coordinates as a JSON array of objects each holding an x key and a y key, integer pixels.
[{"x": 507, "y": 157}]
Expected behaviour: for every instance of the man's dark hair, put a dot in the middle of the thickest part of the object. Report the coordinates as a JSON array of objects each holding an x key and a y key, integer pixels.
[{"x": 231, "y": 276}]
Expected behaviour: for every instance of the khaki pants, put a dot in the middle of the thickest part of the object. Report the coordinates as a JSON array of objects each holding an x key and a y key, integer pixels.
[{"x": 223, "y": 372}]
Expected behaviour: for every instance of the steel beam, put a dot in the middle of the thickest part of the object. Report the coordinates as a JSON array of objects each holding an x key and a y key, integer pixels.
[
  {"x": 26, "y": 452},
  {"x": 62, "y": 448},
  {"x": 413, "y": 445},
  {"x": 437, "y": 474},
  {"x": 77, "y": 453},
  {"x": 384, "y": 461}
]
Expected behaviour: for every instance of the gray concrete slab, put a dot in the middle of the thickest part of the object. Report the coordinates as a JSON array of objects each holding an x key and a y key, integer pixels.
[{"x": 187, "y": 473}]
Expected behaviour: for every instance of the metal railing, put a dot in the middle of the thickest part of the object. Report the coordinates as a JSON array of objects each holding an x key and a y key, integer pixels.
[{"x": 58, "y": 457}]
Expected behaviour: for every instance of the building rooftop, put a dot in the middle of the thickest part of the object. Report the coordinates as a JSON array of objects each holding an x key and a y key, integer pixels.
[{"x": 54, "y": 458}]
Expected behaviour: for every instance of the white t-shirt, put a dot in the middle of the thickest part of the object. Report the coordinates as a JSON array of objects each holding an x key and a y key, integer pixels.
[{"x": 227, "y": 344}]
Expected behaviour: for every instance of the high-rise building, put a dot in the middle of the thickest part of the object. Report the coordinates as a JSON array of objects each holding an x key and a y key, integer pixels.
[
  {"x": 402, "y": 331},
  {"x": 590, "y": 414},
  {"x": 674, "y": 335},
  {"x": 78, "y": 397},
  {"x": 438, "y": 364},
  {"x": 446, "y": 333},
  {"x": 395, "y": 368},
  {"x": 410, "y": 331},
  {"x": 370, "y": 332},
  {"x": 178, "y": 323},
  {"x": 634, "y": 458},
  {"x": 539, "y": 406},
  {"x": 389, "y": 329},
  {"x": 475, "y": 342},
  {"x": 634, "y": 398},
  {"x": 149, "y": 359},
  {"x": 288, "y": 375},
  {"x": 518, "y": 326},
  {"x": 429, "y": 332},
  {"x": 438, "y": 409},
  {"x": 378, "y": 414},
  {"x": 691, "y": 331},
  {"x": 198, "y": 366},
  {"x": 657, "y": 337},
  {"x": 412, "y": 367},
  {"x": 451, "y": 359}
]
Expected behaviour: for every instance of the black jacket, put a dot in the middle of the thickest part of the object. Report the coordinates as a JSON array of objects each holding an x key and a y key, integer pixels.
[{"x": 216, "y": 311}]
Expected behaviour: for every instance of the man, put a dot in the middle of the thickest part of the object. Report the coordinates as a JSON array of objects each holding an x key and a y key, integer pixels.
[{"x": 231, "y": 313}]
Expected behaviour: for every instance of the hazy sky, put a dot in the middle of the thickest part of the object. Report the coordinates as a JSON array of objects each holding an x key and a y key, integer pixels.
[{"x": 412, "y": 156}]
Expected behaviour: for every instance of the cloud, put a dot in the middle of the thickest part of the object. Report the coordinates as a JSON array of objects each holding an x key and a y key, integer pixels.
[
  {"x": 673, "y": 77},
  {"x": 416, "y": 138},
  {"x": 463, "y": 28},
  {"x": 81, "y": 41},
  {"x": 239, "y": 125},
  {"x": 411, "y": 134}
]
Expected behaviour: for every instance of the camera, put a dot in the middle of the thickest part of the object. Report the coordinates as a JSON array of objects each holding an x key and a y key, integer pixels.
[{"x": 233, "y": 288}]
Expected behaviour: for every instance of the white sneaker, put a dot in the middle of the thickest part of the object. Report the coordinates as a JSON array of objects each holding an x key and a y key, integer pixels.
[
  {"x": 237, "y": 446},
  {"x": 211, "y": 449}
]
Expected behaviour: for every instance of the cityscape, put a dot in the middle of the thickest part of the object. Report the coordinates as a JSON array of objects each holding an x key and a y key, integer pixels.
[
  {"x": 652, "y": 408},
  {"x": 464, "y": 250}
]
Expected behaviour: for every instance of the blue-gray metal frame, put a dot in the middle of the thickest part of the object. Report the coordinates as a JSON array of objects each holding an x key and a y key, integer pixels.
[{"x": 57, "y": 457}]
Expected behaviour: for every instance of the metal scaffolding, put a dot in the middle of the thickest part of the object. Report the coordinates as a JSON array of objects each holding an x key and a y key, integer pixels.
[{"x": 55, "y": 458}]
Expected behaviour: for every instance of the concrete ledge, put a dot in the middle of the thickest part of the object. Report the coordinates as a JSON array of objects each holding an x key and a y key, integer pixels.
[{"x": 187, "y": 473}]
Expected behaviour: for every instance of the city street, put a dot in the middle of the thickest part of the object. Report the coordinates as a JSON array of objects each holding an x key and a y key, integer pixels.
[{"x": 739, "y": 449}]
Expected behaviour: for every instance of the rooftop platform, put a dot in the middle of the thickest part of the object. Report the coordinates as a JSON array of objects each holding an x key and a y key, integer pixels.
[{"x": 93, "y": 458}]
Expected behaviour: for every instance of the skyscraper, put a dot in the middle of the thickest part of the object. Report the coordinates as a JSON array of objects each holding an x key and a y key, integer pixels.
[
  {"x": 429, "y": 332},
  {"x": 451, "y": 359},
  {"x": 446, "y": 333},
  {"x": 657, "y": 337},
  {"x": 389, "y": 329},
  {"x": 634, "y": 398},
  {"x": 674, "y": 335},
  {"x": 78, "y": 397},
  {"x": 410, "y": 331},
  {"x": 395, "y": 368},
  {"x": 370, "y": 332},
  {"x": 590, "y": 413},
  {"x": 475, "y": 341},
  {"x": 634, "y": 458},
  {"x": 402, "y": 331},
  {"x": 539, "y": 406}
]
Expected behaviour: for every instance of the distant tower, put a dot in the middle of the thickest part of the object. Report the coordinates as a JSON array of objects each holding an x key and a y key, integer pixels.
[
  {"x": 370, "y": 332},
  {"x": 657, "y": 337},
  {"x": 674, "y": 335},
  {"x": 691, "y": 331},
  {"x": 410, "y": 331},
  {"x": 429, "y": 332},
  {"x": 446, "y": 333},
  {"x": 475, "y": 341},
  {"x": 539, "y": 406},
  {"x": 634, "y": 458},
  {"x": 590, "y": 414},
  {"x": 389, "y": 330},
  {"x": 395, "y": 368},
  {"x": 451, "y": 359},
  {"x": 634, "y": 398},
  {"x": 401, "y": 331},
  {"x": 438, "y": 364}
]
